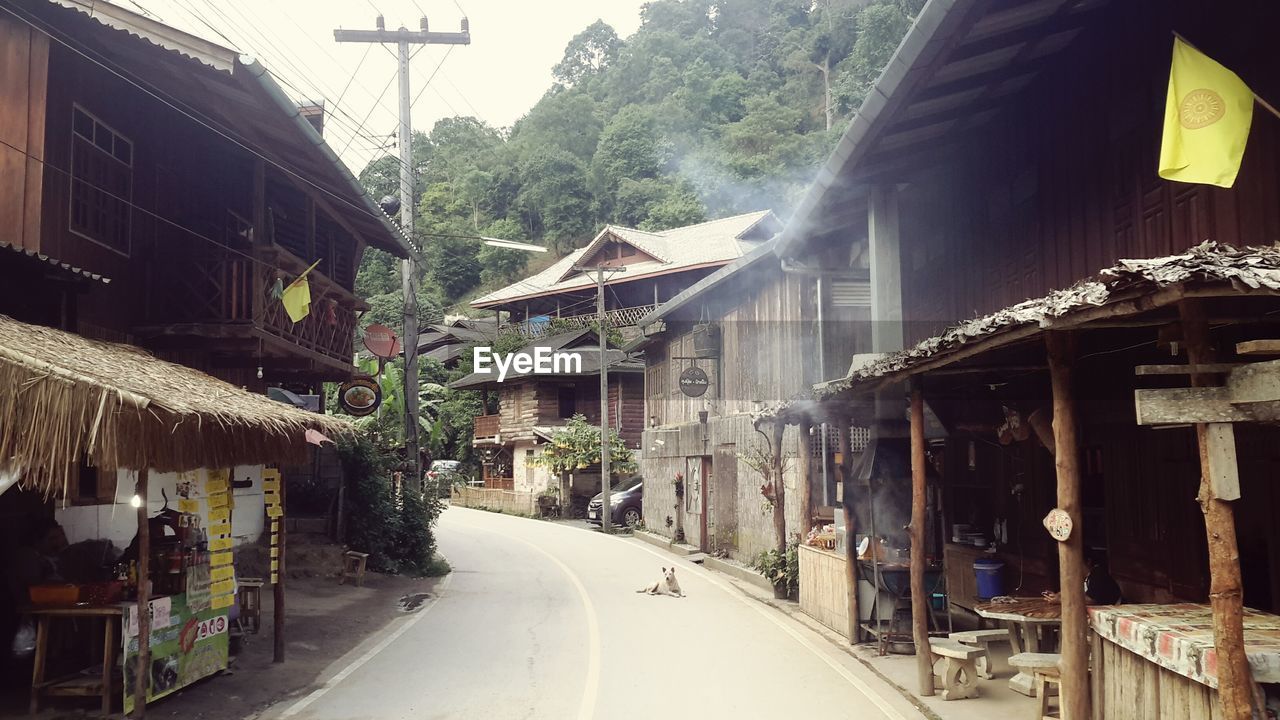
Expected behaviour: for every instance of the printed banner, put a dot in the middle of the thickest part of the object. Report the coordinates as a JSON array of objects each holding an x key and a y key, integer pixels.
[{"x": 186, "y": 647}]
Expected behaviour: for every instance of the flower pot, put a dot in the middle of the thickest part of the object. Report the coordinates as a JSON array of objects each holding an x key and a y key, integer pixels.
[{"x": 780, "y": 592}]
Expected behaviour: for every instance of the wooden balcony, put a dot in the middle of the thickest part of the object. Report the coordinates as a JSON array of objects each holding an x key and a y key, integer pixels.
[
  {"x": 487, "y": 428},
  {"x": 222, "y": 298}
]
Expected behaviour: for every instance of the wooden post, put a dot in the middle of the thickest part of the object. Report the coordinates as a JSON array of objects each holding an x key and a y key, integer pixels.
[
  {"x": 277, "y": 588},
  {"x": 805, "y": 466},
  {"x": 919, "y": 595},
  {"x": 260, "y": 239},
  {"x": 779, "y": 489},
  {"x": 1074, "y": 691},
  {"x": 850, "y": 532},
  {"x": 142, "y": 669},
  {"x": 1226, "y": 594}
]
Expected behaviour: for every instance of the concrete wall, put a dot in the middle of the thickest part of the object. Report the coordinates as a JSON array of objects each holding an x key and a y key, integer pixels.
[
  {"x": 117, "y": 521},
  {"x": 738, "y": 520}
]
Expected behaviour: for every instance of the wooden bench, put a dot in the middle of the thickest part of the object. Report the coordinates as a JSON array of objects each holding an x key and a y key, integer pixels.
[
  {"x": 959, "y": 668},
  {"x": 353, "y": 567},
  {"x": 1044, "y": 669},
  {"x": 983, "y": 639}
]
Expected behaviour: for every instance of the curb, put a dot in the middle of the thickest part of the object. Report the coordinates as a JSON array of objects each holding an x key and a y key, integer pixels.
[
  {"x": 746, "y": 575},
  {"x": 669, "y": 545}
]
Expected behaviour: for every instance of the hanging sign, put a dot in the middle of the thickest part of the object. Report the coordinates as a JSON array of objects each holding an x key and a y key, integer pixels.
[
  {"x": 1059, "y": 524},
  {"x": 359, "y": 397},
  {"x": 694, "y": 382},
  {"x": 382, "y": 341}
]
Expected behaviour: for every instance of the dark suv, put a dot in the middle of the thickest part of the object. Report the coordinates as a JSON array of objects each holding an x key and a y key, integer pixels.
[{"x": 626, "y": 501}]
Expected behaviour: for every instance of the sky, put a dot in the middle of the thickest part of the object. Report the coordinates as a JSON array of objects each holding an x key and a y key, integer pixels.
[{"x": 498, "y": 77}]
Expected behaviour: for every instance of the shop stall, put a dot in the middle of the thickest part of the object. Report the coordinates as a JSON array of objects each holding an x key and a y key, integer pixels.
[{"x": 180, "y": 448}]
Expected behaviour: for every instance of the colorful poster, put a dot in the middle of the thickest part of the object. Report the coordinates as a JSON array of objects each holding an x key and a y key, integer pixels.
[{"x": 189, "y": 646}]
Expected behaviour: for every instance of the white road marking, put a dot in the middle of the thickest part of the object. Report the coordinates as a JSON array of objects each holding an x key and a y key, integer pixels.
[
  {"x": 359, "y": 662},
  {"x": 591, "y": 688},
  {"x": 857, "y": 682}
]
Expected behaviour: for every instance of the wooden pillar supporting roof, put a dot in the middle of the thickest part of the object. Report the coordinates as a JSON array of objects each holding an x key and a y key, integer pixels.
[
  {"x": 1074, "y": 690},
  {"x": 805, "y": 466},
  {"x": 919, "y": 595},
  {"x": 142, "y": 670},
  {"x": 1226, "y": 594},
  {"x": 850, "y": 531}
]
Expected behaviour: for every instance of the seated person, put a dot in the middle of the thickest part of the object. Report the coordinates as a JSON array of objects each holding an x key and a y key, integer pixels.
[{"x": 1099, "y": 587}]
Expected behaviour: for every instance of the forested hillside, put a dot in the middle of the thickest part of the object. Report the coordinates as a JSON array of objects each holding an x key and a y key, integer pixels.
[{"x": 713, "y": 107}]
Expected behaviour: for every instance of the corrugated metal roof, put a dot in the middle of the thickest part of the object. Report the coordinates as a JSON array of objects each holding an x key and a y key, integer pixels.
[{"x": 60, "y": 265}]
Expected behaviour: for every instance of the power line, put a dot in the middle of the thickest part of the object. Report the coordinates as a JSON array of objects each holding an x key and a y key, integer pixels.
[
  {"x": 354, "y": 73},
  {"x": 194, "y": 116},
  {"x": 432, "y": 76}
]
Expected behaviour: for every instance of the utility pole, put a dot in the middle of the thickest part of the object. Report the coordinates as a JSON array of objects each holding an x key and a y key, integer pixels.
[
  {"x": 602, "y": 331},
  {"x": 403, "y": 38}
]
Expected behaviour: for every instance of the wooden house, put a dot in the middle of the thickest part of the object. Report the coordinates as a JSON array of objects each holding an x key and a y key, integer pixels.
[
  {"x": 180, "y": 171},
  {"x": 153, "y": 189},
  {"x": 657, "y": 266},
  {"x": 531, "y": 405},
  {"x": 1009, "y": 151},
  {"x": 716, "y": 355}
]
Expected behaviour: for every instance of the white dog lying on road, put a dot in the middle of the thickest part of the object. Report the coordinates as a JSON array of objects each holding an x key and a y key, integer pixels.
[{"x": 668, "y": 585}]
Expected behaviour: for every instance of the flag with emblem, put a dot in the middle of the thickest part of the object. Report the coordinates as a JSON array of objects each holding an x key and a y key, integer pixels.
[
  {"x": 297, "y": 297},
  {"x": 1206, "y": 120}
]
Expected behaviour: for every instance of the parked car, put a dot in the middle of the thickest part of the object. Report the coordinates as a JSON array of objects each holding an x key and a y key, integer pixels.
[{"x": 626, "y": 500}]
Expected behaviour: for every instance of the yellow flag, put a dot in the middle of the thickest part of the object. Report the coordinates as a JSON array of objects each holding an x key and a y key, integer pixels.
[
  {"x": 1206, "y": 120},
  {"x": 297, "y": 297}
]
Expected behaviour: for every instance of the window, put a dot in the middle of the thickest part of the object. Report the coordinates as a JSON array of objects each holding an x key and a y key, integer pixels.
[
  {"x": 101, "y": 182},
  {"x": 567, "y": 400}
]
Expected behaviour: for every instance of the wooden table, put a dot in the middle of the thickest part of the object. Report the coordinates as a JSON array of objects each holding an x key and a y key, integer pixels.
[
  {"x": 1159, "y": 660},
  {"x": 79, "y": 684},
  {"x": 1024, "y": 618}
]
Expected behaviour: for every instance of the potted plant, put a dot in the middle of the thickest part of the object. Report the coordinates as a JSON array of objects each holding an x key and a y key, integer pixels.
[{"x": 782, "y": 570}]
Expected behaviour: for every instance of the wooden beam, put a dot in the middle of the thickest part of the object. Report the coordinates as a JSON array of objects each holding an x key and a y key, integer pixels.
[
  {"x": 1258, "y": 347},
  {"x": 1074, "y": 690},
  {"x": 142, "y": 669},
  {"x": 1213, "y": 368},
  {"x": 260, "y": 239},
  {"x": 1255, "y": 383},
  {"x": 850, "y": 529},
  {"x": 779, "y": 490},
  {"x": 1180, "y": 406},
  {"x": 919, "y": 596},
  {"x": 1226, "y": 594},
  {"x": 805, "y": 462}
]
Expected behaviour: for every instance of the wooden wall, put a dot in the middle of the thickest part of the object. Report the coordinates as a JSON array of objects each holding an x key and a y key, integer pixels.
[
  {"x": 24, "y": 67},
  {"x": 1063, "y": 183},
  {"x": 523, "y": 406}
]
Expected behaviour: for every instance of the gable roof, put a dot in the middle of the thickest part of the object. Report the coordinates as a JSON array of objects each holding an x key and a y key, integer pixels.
[
  {"x": 230, "y": 94},
  {"x": 709, "y": 244},
  {"x": 706, "y": 284},
  {"x": 955, "y": 66}
]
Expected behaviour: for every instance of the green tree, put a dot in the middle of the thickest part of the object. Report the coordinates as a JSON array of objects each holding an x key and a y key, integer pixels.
[
  {"x": 576, "y": 446},
  {"x": 499, "y": 266},
  {"x": 589, "y": 52}
]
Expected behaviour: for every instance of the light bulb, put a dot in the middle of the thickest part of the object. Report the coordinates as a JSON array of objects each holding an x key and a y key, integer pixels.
[
  {"x": 136, "y": 501},
  {"x": 259, "y": 372}
]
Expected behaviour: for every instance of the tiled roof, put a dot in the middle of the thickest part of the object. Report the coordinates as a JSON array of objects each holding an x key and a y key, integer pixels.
[{"x": 716, "y": 242}]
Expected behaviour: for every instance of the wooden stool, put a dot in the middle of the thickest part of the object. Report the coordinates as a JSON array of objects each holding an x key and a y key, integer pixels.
[
  {"x": 250, "y": 599},
  {"x": 983, "y": 639},
  {"x": 1043, "y": 668},
  {"x": 353, "y": 567},
  {"x": 959, "y": 670}
]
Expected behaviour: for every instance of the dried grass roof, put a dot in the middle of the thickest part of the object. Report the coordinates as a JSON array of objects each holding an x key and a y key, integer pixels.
[{"x": 64, "y": 398}]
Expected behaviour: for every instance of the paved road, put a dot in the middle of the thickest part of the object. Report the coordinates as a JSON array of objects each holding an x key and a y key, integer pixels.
[{"x": 540, "y": 620}]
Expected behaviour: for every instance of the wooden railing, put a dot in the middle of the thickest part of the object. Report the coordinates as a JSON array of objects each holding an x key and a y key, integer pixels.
[
  {"x": 487, "y": 426},
  {"x": 618, "y": 317}
]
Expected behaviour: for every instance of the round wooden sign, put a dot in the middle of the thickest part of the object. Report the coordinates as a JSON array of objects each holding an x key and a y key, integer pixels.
[
  {"x": 382, "y": 341},
  {"x": 694, "y": 382},
  {"x": 360, "y": 397},
  {"x": 1059, "y": 525}
]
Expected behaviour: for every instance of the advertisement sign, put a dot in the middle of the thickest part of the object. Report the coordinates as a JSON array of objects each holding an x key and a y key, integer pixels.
[
  {"x": 186, "y": 646},
  {"x": 359, "y": 397},
  {"x": 694, "y": 382}
]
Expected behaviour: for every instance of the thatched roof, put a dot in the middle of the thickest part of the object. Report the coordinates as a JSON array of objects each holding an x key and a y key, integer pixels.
[{"x": 64, "y": 398}]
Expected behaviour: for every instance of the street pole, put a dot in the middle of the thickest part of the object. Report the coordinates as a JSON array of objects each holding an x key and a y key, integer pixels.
[
  {"x": 602, "y": 332},
  {"x": 403, "y": 38}
]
